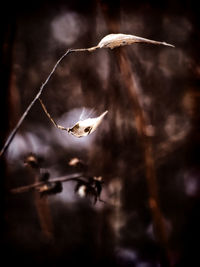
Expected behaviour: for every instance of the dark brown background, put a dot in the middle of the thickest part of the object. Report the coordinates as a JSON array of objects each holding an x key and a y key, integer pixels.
[{"x": 33, "y": 36}]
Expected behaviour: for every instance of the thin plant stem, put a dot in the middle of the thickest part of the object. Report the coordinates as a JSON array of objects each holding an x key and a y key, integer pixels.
[
  {"x": 51, "y": 119},
  {"x": 14, "y": 131},
  {"x": 61, "y": 179}
]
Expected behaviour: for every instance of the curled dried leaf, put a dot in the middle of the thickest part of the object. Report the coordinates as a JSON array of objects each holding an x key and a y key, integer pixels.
[{"x": 115, "y": 40}]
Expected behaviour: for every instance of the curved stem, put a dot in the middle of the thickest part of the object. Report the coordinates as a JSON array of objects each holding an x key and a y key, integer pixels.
[
  {"x": 51, "y": 119},
  {"x": 14, "y": 131}
]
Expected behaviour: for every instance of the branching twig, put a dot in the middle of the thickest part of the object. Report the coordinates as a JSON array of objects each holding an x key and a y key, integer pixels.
[{"x": 77, "y": 177}]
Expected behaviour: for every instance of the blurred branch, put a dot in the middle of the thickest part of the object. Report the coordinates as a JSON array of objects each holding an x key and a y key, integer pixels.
[
  {"x": 41, "y": 204},
  {"x": 93, "y": 186},
  {"x": 141, "y": 126},
  {"x": 163, "y": 151},
  {"x": 44, "y": 214},
  {"x": 36, "y": 185}
]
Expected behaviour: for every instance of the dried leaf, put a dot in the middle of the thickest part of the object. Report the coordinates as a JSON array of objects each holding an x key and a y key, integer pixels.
[{"x": 115, "y": 40}]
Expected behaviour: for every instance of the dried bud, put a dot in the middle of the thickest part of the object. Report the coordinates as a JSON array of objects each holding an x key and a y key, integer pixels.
[{"x": 31, "y": 161}]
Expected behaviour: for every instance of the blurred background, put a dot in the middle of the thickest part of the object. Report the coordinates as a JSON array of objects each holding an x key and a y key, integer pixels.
[{"x": 146, "y": 149}]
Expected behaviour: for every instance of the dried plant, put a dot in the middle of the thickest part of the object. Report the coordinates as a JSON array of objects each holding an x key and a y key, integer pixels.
[
  {"x": 82, "y": 127},
  {"x": 109, "y": 41},
  {"x": 86, "y": 186}
]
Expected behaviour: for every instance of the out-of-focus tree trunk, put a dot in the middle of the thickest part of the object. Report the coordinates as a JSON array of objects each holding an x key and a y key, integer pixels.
[
  {"x": 7, "y": 33},
  {"x": 127, "y": 75}
]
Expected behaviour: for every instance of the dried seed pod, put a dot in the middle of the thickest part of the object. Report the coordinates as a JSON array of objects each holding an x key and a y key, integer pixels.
[
  {"x": 119, "y": 39},
  {"x": 86, "y": 127}
]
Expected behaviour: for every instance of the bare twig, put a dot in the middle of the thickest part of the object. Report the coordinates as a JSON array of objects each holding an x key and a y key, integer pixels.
[{"x": 33, "y": 186}]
